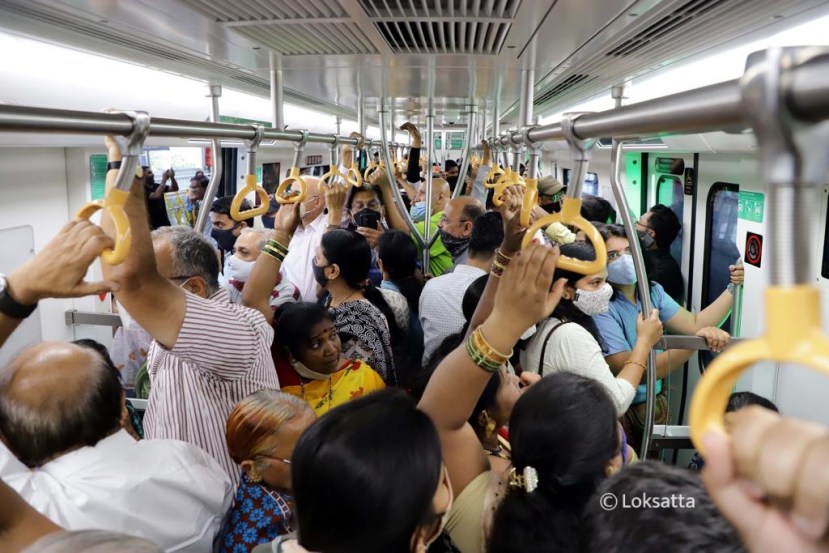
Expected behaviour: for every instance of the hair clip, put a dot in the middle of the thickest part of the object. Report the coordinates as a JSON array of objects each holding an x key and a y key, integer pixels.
[{"x": 528, "y": 479}]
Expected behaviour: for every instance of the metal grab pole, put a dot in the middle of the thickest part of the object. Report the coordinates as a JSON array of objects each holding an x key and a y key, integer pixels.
[
  {"x": 216, "y": 173},
  {"x": 469, "y": 147},
  {"x": 427, "y": 223},
  {"x": 276, "y": 91},
  {"x": 398, "y": 198},
  {"x": 642, "y": 285}
]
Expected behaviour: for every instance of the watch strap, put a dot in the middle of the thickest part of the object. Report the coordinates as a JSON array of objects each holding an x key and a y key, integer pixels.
[
  {"x": 113, "y": 165},
  {"x": 9, "y": 306}
]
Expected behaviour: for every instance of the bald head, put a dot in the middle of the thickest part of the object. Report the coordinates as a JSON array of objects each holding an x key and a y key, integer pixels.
[
  {"x": 441, "y": 194},
  {"x": 56, "y": 397},
  {"x": 314, "y": 203}
]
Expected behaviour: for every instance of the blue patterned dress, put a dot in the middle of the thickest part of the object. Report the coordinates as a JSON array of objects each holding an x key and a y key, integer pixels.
[{"x": 258, "y": 515}]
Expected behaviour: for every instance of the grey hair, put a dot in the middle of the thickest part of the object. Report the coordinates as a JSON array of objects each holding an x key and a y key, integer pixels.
[
  {"x": 263, "y": 235},
  {"x": 91, "y": 541},
  {"x": 193, "y": 254}
]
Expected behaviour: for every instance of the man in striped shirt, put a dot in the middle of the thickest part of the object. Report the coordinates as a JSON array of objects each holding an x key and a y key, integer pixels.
[{"x": 207, "y": 353}]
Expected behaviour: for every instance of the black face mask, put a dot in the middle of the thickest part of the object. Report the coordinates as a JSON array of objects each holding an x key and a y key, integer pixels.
[
  {"x": 454, "y": 244},
  {"x": 319, "y": 274},
  {"x": 268, "y": 222},
  {"x": 646, "y": 239},
  {"x": 553, "y": 207},
  {"x": 224, "y": 238},
  {"x": 452, "y": 180}
]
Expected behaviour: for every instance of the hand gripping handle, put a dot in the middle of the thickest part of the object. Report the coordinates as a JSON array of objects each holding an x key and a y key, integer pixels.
[
  {"x": 530, "y": 201},
  {"x": 293, "y": 178},
  {"x": 353, "y": 176},
  {"x": 570, "y": 214},
  {"x": 114, "y": 206},
  {"x": 794, "y": 335}
]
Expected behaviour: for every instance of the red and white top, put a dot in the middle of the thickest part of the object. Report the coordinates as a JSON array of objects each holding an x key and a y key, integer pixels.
[{"x": 222, "y": 355}]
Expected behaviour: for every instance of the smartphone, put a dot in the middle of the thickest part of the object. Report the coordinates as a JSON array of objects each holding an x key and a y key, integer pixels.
[{"x": 366, "y": 218}]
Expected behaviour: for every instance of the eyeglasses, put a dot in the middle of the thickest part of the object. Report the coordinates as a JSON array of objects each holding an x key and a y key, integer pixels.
[
  {"x": 280, "y": 459},
  {"x": 358, "y": 206},
  {"x": 646, "y": 227},
  {"x": 613, "y": 255}
]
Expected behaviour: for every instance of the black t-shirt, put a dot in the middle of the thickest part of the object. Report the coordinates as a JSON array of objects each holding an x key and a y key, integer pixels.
[
  {"x": 664, "y": 269},
  {"x": 156, "y": 208}
]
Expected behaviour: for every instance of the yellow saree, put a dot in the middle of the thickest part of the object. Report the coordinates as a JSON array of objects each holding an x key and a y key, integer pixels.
[{"x": 353, "y": 380}]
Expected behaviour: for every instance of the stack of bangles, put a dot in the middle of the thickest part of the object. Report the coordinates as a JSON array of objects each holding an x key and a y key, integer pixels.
[
  {"x": 275, "y": 250},
  {"x": 499, "y": 263},
  {"x": 483, "y": 354}
]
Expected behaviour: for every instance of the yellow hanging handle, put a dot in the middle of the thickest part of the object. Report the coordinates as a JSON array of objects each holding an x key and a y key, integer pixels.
[
  {"x": 509, "y": 178},
  {"x": 333, "y": 173},
  {"x": 530, "y": 201},
  {"x": 113, "y": 204},
  {"x": 570, "y": 214},
  {"x": 371, "y": 167},
  {"x": 794, "y": 335},
  {"x": 236, "y": 204},
  {"x": 293, "y": 178},
  {"x": 353, "y": 176}
]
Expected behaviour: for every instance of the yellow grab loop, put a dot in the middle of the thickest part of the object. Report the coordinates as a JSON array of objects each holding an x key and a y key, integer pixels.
[
  {"x": 353, "y": 176},
  {"x": 293, "y": 179},
  {"x": 530, "y": 201},
  {"x": 794, "y": 335},
  {"x": 236, "y": 204},
  {"x": 371, "y": 167},
  {"x": 333, "y": 174},
  {"x": 114, "y": 206},
  {"x": 570, "y": 214},
  {"x": 509, "y": 178}
]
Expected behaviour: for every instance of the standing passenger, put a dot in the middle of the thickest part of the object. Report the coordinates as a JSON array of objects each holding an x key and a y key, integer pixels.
[
  {"x": 658, "y": 229},
  {"x": 303, "y": 245},
  {"x": 207, "y": 353}
]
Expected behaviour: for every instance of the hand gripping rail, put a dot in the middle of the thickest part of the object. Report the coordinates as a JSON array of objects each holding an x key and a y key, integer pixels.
[
  {"x": 570, "y": 213},
  {"x": 250, "y": 184},
  {"x": 794, "y": 163},
  {"x": 131, "y": 147},
  {"x": 333, "y": 165},
  {"x": 294, "y": 178}
]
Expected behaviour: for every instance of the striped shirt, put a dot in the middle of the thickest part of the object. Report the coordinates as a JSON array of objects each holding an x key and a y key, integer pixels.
[{"x": 221, "y": 356}]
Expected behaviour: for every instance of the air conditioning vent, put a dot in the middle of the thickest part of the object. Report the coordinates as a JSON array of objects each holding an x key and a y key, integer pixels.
[
  {"x": 671, "y": 23},
  {"x": 560, "y": 89}
]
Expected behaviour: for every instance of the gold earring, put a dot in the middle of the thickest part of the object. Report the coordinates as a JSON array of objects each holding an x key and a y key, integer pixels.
[{"x": 490, "y": 426}]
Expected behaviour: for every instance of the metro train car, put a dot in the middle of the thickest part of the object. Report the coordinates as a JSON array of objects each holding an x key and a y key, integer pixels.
[{"x": 645, "y": 99}]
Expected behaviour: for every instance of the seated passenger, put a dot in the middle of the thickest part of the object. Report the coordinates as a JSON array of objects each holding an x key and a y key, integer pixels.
[
  {"x": 246, "y": 251},
  {"x": 618, "y": 327},
  {"x": 262, "y": 432},
  {"x": 362, "y": 485},
  {"x": 563, "y": 429},
  {"x": 737, "y": 401},
  {"x": 440, "y": 303},
  {"x": 559, "y": 346},
  {"x": 683, "y": 515},
  {"x": 324, "y": 378},
  {"x": 768, "y": 478},
  {"x": 61, "y": 413},
  {"x": 658, "y": 228},
  {"x": 207, "y": 353}
]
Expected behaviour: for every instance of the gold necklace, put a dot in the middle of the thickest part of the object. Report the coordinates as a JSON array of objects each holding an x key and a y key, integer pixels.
[{"x": 322, "y": 402}]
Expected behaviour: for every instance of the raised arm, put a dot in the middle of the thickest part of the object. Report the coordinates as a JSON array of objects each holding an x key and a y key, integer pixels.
[
  {"x": 259, "y": 286},
  {"x": 457, "y": 384},
  {"x": 57, "y": 271},
  {"x": 155, "y": 303},
  {"x": 20, "y": 524}
]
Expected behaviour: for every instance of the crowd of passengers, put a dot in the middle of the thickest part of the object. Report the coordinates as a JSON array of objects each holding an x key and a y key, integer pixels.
[{"x": 313, "y": 388}]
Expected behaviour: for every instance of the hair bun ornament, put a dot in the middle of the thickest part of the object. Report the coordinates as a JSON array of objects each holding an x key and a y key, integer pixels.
[{"x": 528, "y": 479}]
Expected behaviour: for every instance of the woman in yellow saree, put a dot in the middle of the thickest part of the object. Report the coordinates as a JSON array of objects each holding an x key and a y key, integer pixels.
[{"x": 320, "y": 375}]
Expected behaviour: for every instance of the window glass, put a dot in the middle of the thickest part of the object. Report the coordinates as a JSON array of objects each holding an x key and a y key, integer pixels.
[
  {"x": 670, "y": 192},
  {"x": 591, "y": 183},
  {"x": 185, "y": 161}
]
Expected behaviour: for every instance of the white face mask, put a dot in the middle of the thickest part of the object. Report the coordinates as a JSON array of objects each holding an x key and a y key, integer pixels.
[
  {"x": 595, "y": 302},
  {"x": 305, "y": 372},
  {"x": 238, "y": 269},
  {"x": 304, "y": 210}
]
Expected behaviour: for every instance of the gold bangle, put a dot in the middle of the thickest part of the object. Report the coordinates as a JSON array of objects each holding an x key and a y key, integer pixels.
[
  {"x": 276, "y": 245},
  {"x": 638, "y": 364},
  {"x": 487, "y": 348},
  {"x": 497, "y": 269},
  {"x": 502, "y": 258},
  {"x": 479, "y": 358}
]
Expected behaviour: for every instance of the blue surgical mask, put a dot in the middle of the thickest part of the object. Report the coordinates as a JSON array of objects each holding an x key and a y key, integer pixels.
[
  {"x": 418, "y": 211},
  {"x": 622, "y": 271}
]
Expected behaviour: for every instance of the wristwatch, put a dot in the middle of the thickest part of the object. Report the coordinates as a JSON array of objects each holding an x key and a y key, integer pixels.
[
  {"x": 139, "y": 171},
  {"x": 9, "y": 306}
]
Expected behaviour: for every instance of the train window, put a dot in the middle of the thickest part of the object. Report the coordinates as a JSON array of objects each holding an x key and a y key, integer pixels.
[
  {"x": 824, "y": 271},
  {"x": 184, "y": 160},
  {"x": 670, "y": 192},
  {"x": 591, "y": 183},
  {"x": 720, "y": 241}
]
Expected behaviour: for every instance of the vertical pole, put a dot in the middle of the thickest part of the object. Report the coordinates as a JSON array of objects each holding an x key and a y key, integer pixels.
[
  {"x": 430, "y": 154},
  {"x": 496, "y": 119},
  {"x": 278, "y": 118},
  {"x": 361, "y": 116},
  {"x": 526, "y": 122},
  {"x": 339, "y": 122},
  {"x": 214, "y": 92},
  {"x": 472, "y": 114}
]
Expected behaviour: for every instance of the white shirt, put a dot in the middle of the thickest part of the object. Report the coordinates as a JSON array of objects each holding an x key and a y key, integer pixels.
[
  {"x": 221, "y": 356},
  {"x": 572, "y": 349},
  {"x": 297, "y": 266},
  {"x": 441, "y": 306},
  {"x": 167, "y": 491}
]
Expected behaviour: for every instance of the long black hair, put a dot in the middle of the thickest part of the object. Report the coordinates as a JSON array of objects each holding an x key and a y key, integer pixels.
[
  {"x": 566, "y": 309},
  {"x": 565, "y": 428},
  {"x": 361, "y": 484},
  {"x": 351, "y": 252},
  {"x": 398, "y": 253}
]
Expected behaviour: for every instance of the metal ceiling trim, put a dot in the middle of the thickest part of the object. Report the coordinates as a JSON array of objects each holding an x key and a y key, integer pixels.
[{"x": 283, "y": 21}]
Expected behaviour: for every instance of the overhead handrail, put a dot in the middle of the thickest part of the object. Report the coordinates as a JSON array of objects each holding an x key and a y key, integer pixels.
[
  {"x": 642, "y": 286},
  {"x": 570, "y": 213},
  {"x": 250, "y": 184},
  {"x": 294, "y": 178},
  {"x": 131, "y": 147},
  {"x": 353, "y": 176},
  {"x": 794, "y": 164},
  {"x": 333, "y": 164}
]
